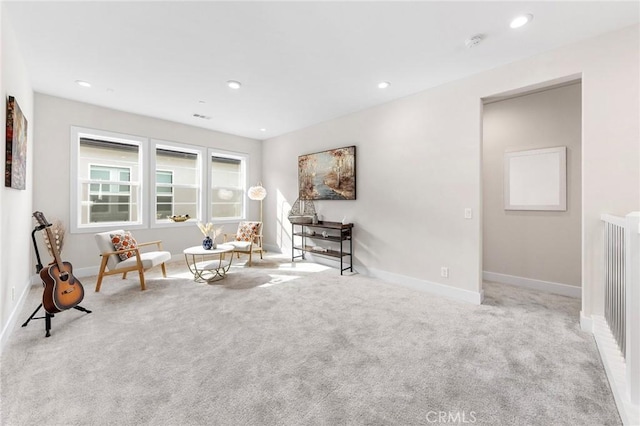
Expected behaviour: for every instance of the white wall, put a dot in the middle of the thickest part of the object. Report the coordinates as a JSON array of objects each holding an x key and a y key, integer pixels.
[
  {"x": 54, "y": 118},
  {"x": 539, "y": 245},
  {"x": 15, "y": 220},
  {"x": 418, "y": 166}
]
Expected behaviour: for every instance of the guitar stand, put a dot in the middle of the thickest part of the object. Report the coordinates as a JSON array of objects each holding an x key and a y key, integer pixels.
[{"x": 47, "y": 316}]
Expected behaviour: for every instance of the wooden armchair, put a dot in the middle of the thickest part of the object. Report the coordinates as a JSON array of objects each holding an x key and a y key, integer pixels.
[
  {"x": 248, "y": 239},
  {"x": 121, "y": 254}
]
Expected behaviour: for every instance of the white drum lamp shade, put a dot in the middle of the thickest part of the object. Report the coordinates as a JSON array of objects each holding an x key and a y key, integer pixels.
[{"x": 258, "y": 193}]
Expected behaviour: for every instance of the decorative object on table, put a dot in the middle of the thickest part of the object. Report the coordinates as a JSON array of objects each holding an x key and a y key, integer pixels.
[
  {"x": 328, "y": 175},
  {"x": 210, "y": 233},
  {"x": 315, "y": 219},
  {"x": 15, "y": 175},
  {"x": 207, "y": 243},
  {"x": 324, "y": 234},
  {"x": 179, "y": 218},
  {"x": 302, "y": 211}
]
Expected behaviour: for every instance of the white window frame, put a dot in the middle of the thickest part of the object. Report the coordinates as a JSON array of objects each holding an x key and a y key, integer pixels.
[
  {"x": 201, "y": 152},
  {"x": 244, "y": 160},
  {"x": 75, "y": 192}
]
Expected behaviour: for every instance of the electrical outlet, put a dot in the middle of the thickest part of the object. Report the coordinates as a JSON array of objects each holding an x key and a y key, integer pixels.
[
  {"x": 468, "y": 213},
  {"x": 444, "y": 272},
  {"x": 13, "y": 294}
]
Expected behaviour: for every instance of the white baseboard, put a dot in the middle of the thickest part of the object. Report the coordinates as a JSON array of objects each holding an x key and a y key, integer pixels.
[
  {"x": 13, "y": 317},
  {"x": 426, "y": 286},
  {"x": 273, "y": 248},
  {"x": 546, "y": 286},
  {"x": 586, "y": 323},
  {"x": 615, "y": 368},
  {"x": 405, "y": 281}
]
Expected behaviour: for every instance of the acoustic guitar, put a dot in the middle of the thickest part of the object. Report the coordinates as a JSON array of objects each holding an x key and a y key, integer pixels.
[{"x": 61, "y": 289}]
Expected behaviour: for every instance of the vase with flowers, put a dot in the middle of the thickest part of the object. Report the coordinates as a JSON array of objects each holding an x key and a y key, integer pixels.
[{"x": 210, "y": 233}]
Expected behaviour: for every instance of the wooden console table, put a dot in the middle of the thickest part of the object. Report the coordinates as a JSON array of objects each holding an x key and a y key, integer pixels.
[{"x": 313, "y": 239}]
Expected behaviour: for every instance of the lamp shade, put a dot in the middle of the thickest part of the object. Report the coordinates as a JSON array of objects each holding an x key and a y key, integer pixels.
[{"x": 257, "y": 192}]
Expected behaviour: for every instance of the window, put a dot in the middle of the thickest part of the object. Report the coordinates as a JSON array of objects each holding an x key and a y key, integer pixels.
[
  {"x": 130, "y": 182},
  {"x": 107, "y": 191},
  {"x": 178, "y": 181},
  {"x": 228, "y": 181},
  {"x": 109, "y": 202},
  {"x": 164, "y": 194}
]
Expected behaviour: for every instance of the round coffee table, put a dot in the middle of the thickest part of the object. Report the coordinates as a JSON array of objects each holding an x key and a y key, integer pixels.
[{"x": 211, "y": 265}]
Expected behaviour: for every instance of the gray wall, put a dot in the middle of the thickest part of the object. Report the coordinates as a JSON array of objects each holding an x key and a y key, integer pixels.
[
  {"x": 418, "y": 167},
  {"x": 541, "y": 245},
  {"x": 53, "y": 119}
]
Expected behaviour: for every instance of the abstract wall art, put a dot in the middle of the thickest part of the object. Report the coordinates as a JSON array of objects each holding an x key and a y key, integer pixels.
[{"x": 15, "y": 175}]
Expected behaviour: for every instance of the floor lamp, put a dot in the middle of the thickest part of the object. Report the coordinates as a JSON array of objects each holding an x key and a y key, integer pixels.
[{"x": 258, "y": 193}]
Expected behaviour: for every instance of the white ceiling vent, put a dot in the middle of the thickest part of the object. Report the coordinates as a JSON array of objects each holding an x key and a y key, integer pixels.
[
  {"x": 204, "y": 117},
  {"x": 473, "y": 41}
]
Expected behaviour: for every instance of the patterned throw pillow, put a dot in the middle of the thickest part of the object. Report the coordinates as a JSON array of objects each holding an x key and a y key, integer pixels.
[
  {"x": 246, "y": 229},
  {"x": 124, "y": 241}
]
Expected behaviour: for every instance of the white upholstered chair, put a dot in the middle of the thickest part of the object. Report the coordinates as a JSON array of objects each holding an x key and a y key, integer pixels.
[
  {"x": 121, "y": 254},
  {"x": 248, "y": 239}
]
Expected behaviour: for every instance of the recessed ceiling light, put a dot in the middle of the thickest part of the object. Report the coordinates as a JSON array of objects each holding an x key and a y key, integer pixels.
[
  {"x": 384, "y": 84},
  {"x": 234, "y": 84},
  {"x": 521, "y": 20},
  {"x": 263, "y": 130},
  {"x": 83, "y": 83}
]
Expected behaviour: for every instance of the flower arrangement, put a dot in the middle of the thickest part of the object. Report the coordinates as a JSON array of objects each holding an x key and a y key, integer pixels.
[{"x": 208, "y": 230}]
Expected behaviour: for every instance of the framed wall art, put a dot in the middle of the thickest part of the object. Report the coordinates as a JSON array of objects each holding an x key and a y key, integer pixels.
[
  {"x": 536, "y": 179},
  {"x": 15, "y": 175},
  {"x": 328, "y": 175}
]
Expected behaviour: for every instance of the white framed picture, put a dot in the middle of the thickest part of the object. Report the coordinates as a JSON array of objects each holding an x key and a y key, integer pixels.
[{"x": 536, "y": 179}]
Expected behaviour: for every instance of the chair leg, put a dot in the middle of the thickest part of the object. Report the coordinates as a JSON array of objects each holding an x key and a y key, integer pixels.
[
  {"x": 250, "y": 253},
  {"x": 164, "y": 271},
  {"x": 260, "y": 254},
  {"x": 142, "y": 284},
  {"x": 124, "y": 276},
  {"x": 103, "y": 265}
]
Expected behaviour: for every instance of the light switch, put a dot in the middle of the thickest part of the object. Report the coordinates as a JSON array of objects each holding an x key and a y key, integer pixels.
[{"x": 468, "y": 213}]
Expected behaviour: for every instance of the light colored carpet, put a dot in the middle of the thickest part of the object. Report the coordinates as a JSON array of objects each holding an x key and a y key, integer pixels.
[{"x": 283, "y": 344}]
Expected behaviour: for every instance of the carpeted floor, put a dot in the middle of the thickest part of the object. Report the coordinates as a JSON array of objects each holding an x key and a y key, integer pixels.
[{"x": 298, "y": 344}]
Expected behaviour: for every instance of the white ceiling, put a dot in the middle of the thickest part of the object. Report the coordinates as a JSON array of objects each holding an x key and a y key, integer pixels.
[{"x": 300, "y": 63}]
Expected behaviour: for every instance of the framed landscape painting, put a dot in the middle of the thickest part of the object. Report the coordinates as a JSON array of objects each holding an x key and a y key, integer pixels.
[
  {"x": 15, "y": 175},
  {"x": 328, "y": 175}
]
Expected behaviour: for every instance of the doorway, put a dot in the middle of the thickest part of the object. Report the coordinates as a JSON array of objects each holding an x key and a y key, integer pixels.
[{"x": 535, "y": 249}]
